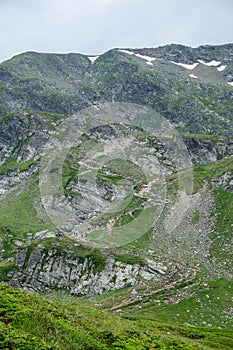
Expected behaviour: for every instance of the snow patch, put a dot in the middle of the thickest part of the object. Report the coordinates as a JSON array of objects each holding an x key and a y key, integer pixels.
[
  {"x": 186, "y": 66},
  {"x": 212, "y": 63},
  {"x": 93, "y": 58},
  {"x": 193, "y": 76},
  {"x": 128, "y": 52},
  {"x": 148, "y": 59},
  {"x": 221, "y": 68},
  {"x": 230, "y": 83}
]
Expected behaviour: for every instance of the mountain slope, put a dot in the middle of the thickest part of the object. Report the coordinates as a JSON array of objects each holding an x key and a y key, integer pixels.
[
  {"x": 116, "y": 179},
  {"x": 28, "y": 321},
  {"x": 67, "y": 83}
]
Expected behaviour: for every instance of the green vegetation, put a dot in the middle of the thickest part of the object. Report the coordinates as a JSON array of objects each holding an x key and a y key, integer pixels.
[
  {"x": 126, "y": 169},
  {"x": 205, "y": 173},
  {"x": 204, "y": 302},
  {"x": 71, "y": 165},
  {"x": 17, "y": 211},
  {"x": 196, "y": 217},
  {"x": 129, "y": 259},
  {"x": 141, "y": 243},
  {"x": 28, "y": 321},
  {"x": 12, "y": 164},
  {"x": 221, "y": 248}
]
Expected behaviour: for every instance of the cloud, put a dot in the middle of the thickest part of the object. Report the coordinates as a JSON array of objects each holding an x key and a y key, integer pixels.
[{"x": 93, "y": 26}]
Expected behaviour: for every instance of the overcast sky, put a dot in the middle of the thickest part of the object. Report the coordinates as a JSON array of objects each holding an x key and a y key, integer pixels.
[{"x": 94, "y": 26}]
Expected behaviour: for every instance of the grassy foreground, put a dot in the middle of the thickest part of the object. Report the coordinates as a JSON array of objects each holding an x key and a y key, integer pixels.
[{"x": 29, "y": 321}]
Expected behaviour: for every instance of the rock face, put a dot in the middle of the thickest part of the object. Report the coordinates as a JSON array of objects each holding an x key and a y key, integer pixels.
[
  {"x": 23, "y": 136},
  {"x": 190, "y": 55},
  {"x": 43, "y": 269},
  {"x": 204, "y": 151}
]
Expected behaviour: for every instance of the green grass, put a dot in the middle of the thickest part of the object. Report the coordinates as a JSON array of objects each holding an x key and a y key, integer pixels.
[
  {"x": 116, "y": 179},
  {"x": 17, "y": 211},
  {"x": 127, "y": 218},
  {"x": 129, "y": 259},
  {"x": 204, "y": 173},
  {"x": 142, "y": 242},
  {"x": 123, "y": 214},
  {"x": 204, "y": 302},
  {"x": 71, "y": 167},
  {"x": 29, "y": 321},
  {"x": 126, "y": 170},
  {"x": 5, "y": 267},
  {"x": 221, "y": 248},
  {"x": 12, "y": 164},
  {"x": 196, "y": 217}
]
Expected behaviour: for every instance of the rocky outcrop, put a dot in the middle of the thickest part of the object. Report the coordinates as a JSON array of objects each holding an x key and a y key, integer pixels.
[
  {"x": 206, "y": 150},
  {"x": 42, "y": 269},
  {"x": 185, "y": 54},
  {"x": 225, "y": 181},
  {"x": 23, "y": 136},
  {"x": 12, "y": 178}
]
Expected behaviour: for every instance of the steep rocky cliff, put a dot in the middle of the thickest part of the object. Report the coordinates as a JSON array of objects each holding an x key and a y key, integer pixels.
[{"x": 85, "y": 272}]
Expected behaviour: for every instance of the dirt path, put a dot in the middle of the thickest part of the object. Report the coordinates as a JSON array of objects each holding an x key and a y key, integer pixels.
[{"x": 191, "y": 273}]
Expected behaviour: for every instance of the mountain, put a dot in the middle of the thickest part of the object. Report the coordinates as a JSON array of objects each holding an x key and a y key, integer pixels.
[
  {"x": 116, "y": 180},
  {"x": 65, "y": 84}
]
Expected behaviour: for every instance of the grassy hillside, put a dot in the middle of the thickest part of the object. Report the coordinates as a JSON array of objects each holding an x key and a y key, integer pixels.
[{"x": 28, "y": 321}]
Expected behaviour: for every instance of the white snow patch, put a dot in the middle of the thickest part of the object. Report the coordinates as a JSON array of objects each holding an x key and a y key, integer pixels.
[
  {"x": 230, "y": 83},
  {"x": 221, "y": 68},
  {"x": 212, "y": 63},
  {"x": 93, "y": 58},
  {"x": 149, "y": 61},
  {"x": 186, "y": 66},
  {"x": 193, "y": 76},
  {"x": 128, "y": 52},
  {"x": 147, "y": 58}
]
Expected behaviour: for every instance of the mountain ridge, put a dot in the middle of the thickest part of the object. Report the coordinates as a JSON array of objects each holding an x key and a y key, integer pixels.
[{"x": 67, "y": 85}]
